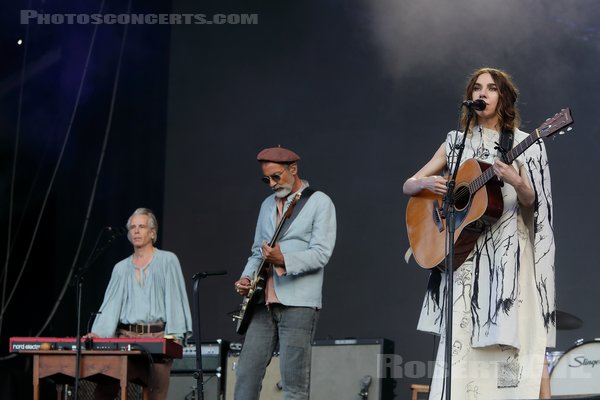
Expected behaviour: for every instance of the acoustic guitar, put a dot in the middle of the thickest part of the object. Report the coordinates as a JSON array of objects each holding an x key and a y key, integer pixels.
[
  {"x": 257, "y": 285},
  {"x": 474, "y": 208}
]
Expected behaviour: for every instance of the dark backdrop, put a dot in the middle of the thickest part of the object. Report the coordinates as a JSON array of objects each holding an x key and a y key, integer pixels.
[
  {"x": 52, "y": 129},
  {"x": 364, "y": 91}
]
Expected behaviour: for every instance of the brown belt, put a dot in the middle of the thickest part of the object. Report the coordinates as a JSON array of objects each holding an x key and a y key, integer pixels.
[{"x": 142, "y": 328}]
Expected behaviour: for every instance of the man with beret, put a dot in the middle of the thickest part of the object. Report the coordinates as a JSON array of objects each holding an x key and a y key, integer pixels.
[{"x": 287, "y": 315}]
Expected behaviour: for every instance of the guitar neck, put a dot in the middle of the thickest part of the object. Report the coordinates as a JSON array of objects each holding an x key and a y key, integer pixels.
[
  {"x": 263, "y": 265},
  {"x": 488, "y": 174},
  {"x": 278, "y": 230}
]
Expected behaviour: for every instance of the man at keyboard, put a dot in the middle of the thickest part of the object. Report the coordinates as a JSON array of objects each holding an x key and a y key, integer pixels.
[{"x": 145, "y": 297}]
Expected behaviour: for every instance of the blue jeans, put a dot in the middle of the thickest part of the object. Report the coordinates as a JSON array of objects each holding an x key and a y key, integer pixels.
[{"x": 293, "y": 329}]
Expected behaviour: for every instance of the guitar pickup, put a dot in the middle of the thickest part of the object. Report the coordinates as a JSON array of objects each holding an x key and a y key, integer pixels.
[{"x": 437, "y": 216}]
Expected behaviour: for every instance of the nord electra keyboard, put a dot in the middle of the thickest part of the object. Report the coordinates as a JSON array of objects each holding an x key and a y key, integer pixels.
[{"x": 159, "y": 347}]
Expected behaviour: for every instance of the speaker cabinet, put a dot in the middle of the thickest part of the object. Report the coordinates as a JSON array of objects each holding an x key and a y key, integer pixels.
[
  {"x": 183, "y": 387},
  {"x": 270, "y": 385},
  {"x": 214, "y": 354},
  {"x": 343, "y": 369}
]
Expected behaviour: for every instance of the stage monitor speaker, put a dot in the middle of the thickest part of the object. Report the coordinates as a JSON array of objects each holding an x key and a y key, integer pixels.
[
  {"x": 183, "y": 387},
  {"x": 351, "y": 369},
  {"x": 271, "y": 385}
]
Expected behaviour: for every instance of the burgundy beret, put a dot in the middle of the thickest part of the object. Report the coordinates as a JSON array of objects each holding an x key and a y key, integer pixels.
[{"x": 277, "y": 155}]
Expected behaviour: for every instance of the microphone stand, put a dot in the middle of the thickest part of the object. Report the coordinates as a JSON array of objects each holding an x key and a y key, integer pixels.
[
  {"x": 198, "y": 375},
  {"x": 449, "y": 212},
  {"x": 78, "y": 282},
  {"x": 364, "y": 390}
]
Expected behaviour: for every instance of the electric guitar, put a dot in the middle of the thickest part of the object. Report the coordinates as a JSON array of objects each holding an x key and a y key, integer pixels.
[
  {"x": 474, "y": 208},
  {"x": 257, "y": 285}
]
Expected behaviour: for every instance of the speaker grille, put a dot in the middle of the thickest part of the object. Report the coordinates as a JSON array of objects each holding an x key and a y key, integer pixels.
[{"x": 342, "y": 369}]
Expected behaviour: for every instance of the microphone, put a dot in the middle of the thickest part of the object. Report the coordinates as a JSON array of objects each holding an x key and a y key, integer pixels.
[
  {"x": 111, "y": 235},
  {"x": 478, "y": 104},
  {"x": 115, "y": 232},
  {"x": 201, "y": 275}
]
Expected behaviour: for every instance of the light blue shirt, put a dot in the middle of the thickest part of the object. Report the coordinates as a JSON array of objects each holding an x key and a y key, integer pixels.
[
  {"x": 161, "y": 297},
  {"x": 307, "y": 245}
]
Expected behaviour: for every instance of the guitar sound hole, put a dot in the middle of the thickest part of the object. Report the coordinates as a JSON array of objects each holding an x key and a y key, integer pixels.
[{"x": 462, "y": 198}]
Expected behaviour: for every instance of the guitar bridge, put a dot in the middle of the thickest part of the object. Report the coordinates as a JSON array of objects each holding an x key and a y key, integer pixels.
[{"x": 437, "y": 216}]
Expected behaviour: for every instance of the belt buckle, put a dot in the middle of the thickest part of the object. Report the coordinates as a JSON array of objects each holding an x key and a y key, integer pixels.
[{"x": 139, "y": 329}]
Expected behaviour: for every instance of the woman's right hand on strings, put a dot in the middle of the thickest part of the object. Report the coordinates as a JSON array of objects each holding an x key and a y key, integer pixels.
[
  {"x": 426, "y": 178},
  {"x": 435, "y": 184}
]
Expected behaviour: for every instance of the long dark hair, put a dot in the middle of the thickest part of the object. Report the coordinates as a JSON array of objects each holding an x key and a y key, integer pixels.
[{"x": 507, "y": 111}]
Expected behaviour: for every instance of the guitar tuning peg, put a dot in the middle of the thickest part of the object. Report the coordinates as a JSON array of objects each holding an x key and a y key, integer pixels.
[{"x": 569, "y": 129}]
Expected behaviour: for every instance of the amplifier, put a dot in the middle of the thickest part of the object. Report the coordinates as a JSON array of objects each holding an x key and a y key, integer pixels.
[
  {"x": 214, "y": 355},
  {"x": 351, "y": 369},
  {"x": 271, "y": 384}
]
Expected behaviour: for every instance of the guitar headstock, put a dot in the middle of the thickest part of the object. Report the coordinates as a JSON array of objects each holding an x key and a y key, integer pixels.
[{"x": 556, "y": 123}]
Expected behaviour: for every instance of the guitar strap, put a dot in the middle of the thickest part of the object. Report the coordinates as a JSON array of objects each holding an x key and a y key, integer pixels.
[
  {"x": 506, "y": 143},
  {"x": 306, "y": 193}
]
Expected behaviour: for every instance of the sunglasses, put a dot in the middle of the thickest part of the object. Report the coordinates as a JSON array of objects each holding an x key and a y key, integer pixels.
[{"x": 276, "y": 177}]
